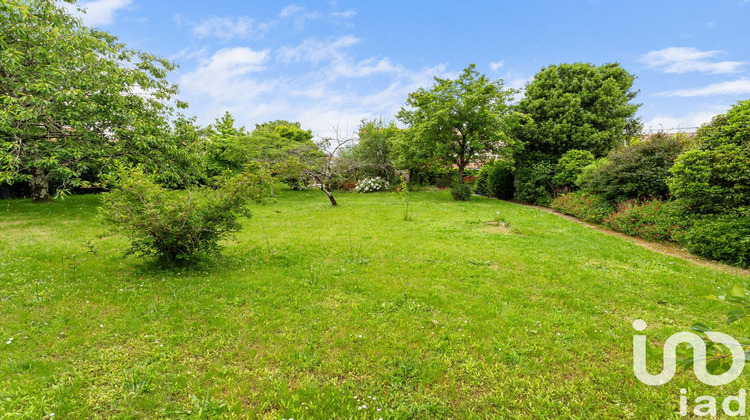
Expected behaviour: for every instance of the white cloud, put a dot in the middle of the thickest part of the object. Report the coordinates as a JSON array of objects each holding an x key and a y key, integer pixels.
[
  {"x": 684, "y": 59},
  {"x": 314, "y": 50},
  {"x": 227, "y": 76},
  {"x": 346, "y": 14},
  {"x": 299, "y": 16},
  {"x": 497, "y": 65},
  {"x": 685, "y": 122},
  {"x": 737, "y": 87},
  {"x": 290, "y": 10},
  {"x": 227, "y": 28},
  {"x": 98, "y": 12}
]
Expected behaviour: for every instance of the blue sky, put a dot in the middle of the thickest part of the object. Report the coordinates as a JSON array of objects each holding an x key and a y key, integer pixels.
[{"x": 332, "y": 63}]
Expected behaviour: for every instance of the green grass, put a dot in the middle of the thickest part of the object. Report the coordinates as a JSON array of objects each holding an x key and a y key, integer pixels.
[{"x": 317, "y": 312}]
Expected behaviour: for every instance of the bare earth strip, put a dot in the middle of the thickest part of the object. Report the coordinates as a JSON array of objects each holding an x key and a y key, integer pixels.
[{"x": 662, "y": 248}]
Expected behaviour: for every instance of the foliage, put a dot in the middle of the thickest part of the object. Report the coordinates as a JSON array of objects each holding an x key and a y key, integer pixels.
[
  {"x": 456, "y": 121},
  {"x": 402, "y": 190},
  {"x": 73, "y": 98},
  {"x": 179, "y": 225},
  {"x": 715, "y": 177},
  {"x": 723, "y": 238},
  {"x": 371, "y": 185},
  {"x": 650, "y": 219},
  {"x": 638, "y": 170},
  {"x": 577, "y": 106},
  {"x": 588, "y": 171},
  {"x": 738, "y": 298},
  {"x": 181, "y": 161},
  {"x": 271, "y": 143},
  {"x": 460, "y": 191},
  {"x": 729, "y": 128},
  {"x": 291, "y": 131},
  {"x": 570, "y": 166},
  {"x": 583, "y": 205},
  {"x": 713, "y": 181},
  {"x": 482, "y": 188},
  {"x": 321, "y": 165},
  {"x": 375, "y": 148},
  {"x": 499, "y": 176},
  {"x": 533, "y": 183}
]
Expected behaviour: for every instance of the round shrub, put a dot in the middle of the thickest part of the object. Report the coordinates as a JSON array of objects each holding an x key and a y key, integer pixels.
[
  {"x": 461, "y": 191},
  {"x": 723, "y": 238},
  {"x": 179, "y": 225},
  {"x": 639, "y": 170},
  {"x": 533, "y": 183},
  {"x": 500, "y": 180},
  {"x": 587, "y": 172},
  {"x": 713, "y": 181},
  {"x": 570, "y": 166},
  {"x": 715, "y": 177}
]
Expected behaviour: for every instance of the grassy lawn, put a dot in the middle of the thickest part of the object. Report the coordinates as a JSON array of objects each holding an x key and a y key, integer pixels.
[{"x": 348, "y": 312}]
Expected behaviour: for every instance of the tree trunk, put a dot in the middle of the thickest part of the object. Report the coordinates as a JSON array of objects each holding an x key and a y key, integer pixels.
[
  {"x": 330, "y": 196},
  {"x": 461, "y": 173},
  {"x": 40, "y": 185}
]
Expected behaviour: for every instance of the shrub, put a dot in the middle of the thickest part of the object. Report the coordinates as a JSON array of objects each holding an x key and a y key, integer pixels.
[
  {"x": 482, "y": 188},
  {"x": 723, "y": 238},
  {"x": 583, "y": 205},
  {"x": 587, "y": 172},
  {"x": 371, "y": 185},
  {"x": 179, "y": 225},
  {"x": 500, "y": 180},
  {"x": 570, "y": 166},
  {"x": 715, "y": 177},
  {"x": 650, "y": 219},
  {"x": 639, "y": 170},
  {"x": 533, "y": 183},
  {"x": 713, "y": 181},
  {"x": 729, "y": 128},
  {"x": 460, "y": 191}
]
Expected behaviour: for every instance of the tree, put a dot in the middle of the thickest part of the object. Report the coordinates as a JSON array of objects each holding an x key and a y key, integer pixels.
[
  {"x": 457, "y": 121},
  {"x": 72, "y": 97},
  {"x": 291, "y": 131},
  {"x": 375, "y": 147},
  {"x": 322, "y": 164},
  {"x": 272, "y": 144},
  {"x": 226, "y": 148},
  {"x": 576, "y": 106}
]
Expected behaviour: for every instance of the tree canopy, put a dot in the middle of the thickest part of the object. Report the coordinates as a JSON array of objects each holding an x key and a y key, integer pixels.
[
  {"x": 456, "y": 121},
  {"x": 576, "y": 106},
  {"x": 375, "y": 147},
  {"x": 73, "y": 98}
]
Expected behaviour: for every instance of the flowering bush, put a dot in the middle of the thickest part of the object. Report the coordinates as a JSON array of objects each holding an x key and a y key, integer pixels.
[
  {"x": 583, "y": 205},
  {"x": 650, "y": 219},
  {"x": 371, "y": 185}
]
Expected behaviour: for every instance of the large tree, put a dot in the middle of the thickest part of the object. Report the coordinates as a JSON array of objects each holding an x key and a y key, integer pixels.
[
  {"x": 456, "y": 121},
  {"x": 576, "y": 106},
  {"x": 73, "y": 98}
]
